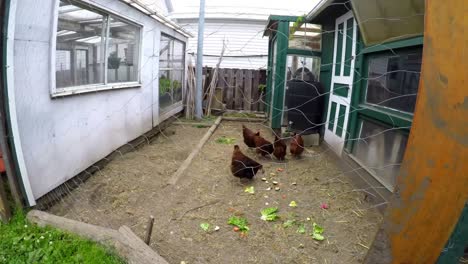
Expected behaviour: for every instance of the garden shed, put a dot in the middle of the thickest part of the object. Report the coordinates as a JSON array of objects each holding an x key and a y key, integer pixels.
[
  {"x": 94, "y": 74},
  {"x": 370, "y": 58},
  {"x": 368, "y": 80}
]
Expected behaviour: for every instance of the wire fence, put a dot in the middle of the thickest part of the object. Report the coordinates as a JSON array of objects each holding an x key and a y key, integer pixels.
[{"x": 130, "y": 184}]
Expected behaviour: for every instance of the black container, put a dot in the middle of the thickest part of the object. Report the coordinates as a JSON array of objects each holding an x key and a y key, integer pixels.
[{"x": 305, "y": 101}]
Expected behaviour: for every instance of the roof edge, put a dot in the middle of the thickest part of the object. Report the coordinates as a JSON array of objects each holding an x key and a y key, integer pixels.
[{"x": 318, "y": 8}]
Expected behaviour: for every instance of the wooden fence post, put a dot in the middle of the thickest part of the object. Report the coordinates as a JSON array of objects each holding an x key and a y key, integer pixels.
[
  {"x": 230, "y": 90},
  {"x": 255, "y": 92},
  {"x": 248, "y": 90},
  {"x": 239, "y": 91}
]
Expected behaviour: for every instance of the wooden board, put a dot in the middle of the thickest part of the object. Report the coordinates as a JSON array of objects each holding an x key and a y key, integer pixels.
[
  {"x": 255, "y": 92},
  {"x": 230, "y": 89},
  {"x": 239, "y": 95},
  {"x": 125, "y": 242},
  {"x": 247, "y": 90},
  {"x": 432, "y": 187}
]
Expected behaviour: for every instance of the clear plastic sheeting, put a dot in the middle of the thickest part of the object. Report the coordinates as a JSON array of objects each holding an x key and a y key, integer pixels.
[
  {"x": 306, "y": 37},
  {"x": 382, "y": 20},
  {"x": 381, "y": 149}
]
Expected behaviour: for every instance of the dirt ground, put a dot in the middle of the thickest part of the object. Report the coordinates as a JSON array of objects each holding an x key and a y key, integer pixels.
[{"x": 133, "y": 187}]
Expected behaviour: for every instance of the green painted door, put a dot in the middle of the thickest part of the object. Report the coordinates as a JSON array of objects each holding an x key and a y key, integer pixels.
[{"x": 342, "y": 81}]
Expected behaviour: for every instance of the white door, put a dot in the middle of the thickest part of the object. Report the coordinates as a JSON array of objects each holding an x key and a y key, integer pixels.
[{"x": 342, "y": 81}]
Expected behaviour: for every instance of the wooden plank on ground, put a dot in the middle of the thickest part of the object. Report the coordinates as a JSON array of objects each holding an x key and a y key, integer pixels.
[
  {"x": 239, "y": 89},
  {"x": 255, "y": 92},
  {"x": 230, "y": 89},
  {"x": 126, "y": 243}
]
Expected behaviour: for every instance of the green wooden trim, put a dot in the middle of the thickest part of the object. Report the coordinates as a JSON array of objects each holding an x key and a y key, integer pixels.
[
  {"x": 457, "y": 242},
  {"x": 341, "y": 118},
  {"x": 340, "y": 89},
  {"x": 326, "y": 68},
  {"x": 353, "y": 123},
  {"x": 410, "y": 42},
  {"x": 309, "y": 53},
  {"x": 331, "y": 117},
  {"x": 283, "y": 18},
  {"x": 280, "y": 73},
  {"x": 349, "y": 46},
  {"x": 269, "y": 76},
  {"x": 391, "y": 119},
  {"x": 339, "y": 50}
]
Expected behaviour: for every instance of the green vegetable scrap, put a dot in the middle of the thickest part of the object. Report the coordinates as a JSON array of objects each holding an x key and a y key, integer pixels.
[
  {"x": 301, "y": 229},
  {"x": 225, "y": 140},
  {"x": 289, "y": 223},
  {"x": 205, "y": 226},
  {"x": 250, "y": 190},
  {"x": 269, "y": 214},
  {"x": 240, "y": 222},
  {"x": 293, "y": 204},
  {"x": 317, "y": 232}
]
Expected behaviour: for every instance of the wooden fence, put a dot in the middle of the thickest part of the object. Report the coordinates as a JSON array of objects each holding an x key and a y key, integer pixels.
[{"x": 241, "y": 88}]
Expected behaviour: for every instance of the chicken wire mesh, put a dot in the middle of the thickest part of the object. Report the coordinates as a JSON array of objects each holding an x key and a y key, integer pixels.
[{"x": 133, "y": 184}]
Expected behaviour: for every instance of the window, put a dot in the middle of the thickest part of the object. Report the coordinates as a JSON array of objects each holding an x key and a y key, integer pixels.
[
  {"x": 393, "y": 80},
  {"x": 306, "y": 37},
  {"x": 381, "y": 151},
  {"x": 171, "y": 71},
  {"x": 94, "y": 48}
]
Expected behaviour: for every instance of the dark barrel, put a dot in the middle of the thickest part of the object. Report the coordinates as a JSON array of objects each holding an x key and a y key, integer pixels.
[{"x": 305, "y": 101}]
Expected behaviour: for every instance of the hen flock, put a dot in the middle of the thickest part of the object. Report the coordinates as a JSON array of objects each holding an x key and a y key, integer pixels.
[{"x": 244, "y": 167}]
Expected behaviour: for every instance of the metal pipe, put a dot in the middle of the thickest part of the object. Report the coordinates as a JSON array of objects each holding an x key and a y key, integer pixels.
[{"x": 199, "y": 66}]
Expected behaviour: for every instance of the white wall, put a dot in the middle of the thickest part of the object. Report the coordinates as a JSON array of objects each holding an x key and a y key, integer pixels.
[
  {"x": 243, "y": 38},
  {"x": 63, "y": 136}
]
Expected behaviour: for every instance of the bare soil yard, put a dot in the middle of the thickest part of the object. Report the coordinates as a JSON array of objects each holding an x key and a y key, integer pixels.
[{"x": 133, "y": 187}]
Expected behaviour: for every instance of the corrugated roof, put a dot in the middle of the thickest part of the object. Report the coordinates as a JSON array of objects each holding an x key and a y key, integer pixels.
[{"x": 149, "y": 8}]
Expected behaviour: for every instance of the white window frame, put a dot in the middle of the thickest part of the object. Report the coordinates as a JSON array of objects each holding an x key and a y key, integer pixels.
[{"x": 79, "y": 89}]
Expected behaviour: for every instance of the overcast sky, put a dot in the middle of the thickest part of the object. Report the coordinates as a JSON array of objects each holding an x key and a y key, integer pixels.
[{"x": 292, "y": 7}]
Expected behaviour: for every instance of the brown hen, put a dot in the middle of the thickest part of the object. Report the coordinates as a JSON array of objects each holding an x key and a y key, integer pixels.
[
  {"x": 263, "y": 146},
  {"x": 297, "y": 145},
  {"x": 243, "y": 166},
  {"x": 249, "y": 136},
  {"x": 279, "y": 148}
]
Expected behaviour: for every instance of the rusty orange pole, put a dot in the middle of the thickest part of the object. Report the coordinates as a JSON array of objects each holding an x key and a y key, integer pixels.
[{"x": 432, "y": 187}]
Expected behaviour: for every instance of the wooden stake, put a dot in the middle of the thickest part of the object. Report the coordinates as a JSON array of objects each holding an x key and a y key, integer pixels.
[{"x": 149, "y": 230}]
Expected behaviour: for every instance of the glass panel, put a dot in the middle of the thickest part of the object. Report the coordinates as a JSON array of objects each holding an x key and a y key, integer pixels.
[
  {"x": 177, "y": 80},
  {"x": 165, "y": 90},
  {"x": 178, "y": 61},
  {"x": 307, "y": 37},
  {"x": 341, "y": 117},
  {"x": 79, "y": 49},
  {"x": 339, "y": 49},
  {"x": 381, "y": 21},
  {"x": 331, "y": 117},
  {"x": 393, "y": 81},
  {"x": 300, "y": 68},
  {"x": 381, "y": 151},
  {"x": 122, "y": 61},
  {"x": 171, "y": 71},
  {"x": 303, "y": 68},
  {"x": 349, "y": 46},
  {"x": 164, "y": 52}
]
